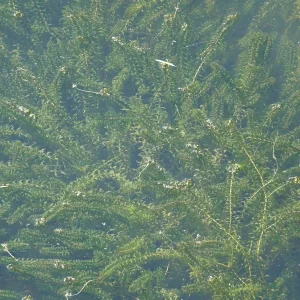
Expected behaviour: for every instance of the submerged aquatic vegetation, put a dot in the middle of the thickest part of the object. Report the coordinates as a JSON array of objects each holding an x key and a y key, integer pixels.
[{"x": 149, "y": 150}]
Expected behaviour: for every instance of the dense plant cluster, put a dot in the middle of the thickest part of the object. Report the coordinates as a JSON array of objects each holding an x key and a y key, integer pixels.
[{"x": 149, "y": 149}]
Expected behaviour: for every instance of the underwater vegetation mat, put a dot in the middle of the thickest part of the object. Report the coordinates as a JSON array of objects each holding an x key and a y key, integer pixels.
[{"x": 149, "y": 150}]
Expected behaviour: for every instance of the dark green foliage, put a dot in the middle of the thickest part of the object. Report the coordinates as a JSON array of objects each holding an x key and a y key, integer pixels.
[{"x": 149, "y": 149}]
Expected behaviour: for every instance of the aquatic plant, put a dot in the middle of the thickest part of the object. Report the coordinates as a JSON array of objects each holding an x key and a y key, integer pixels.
[{"x": 149, "y": 149}]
